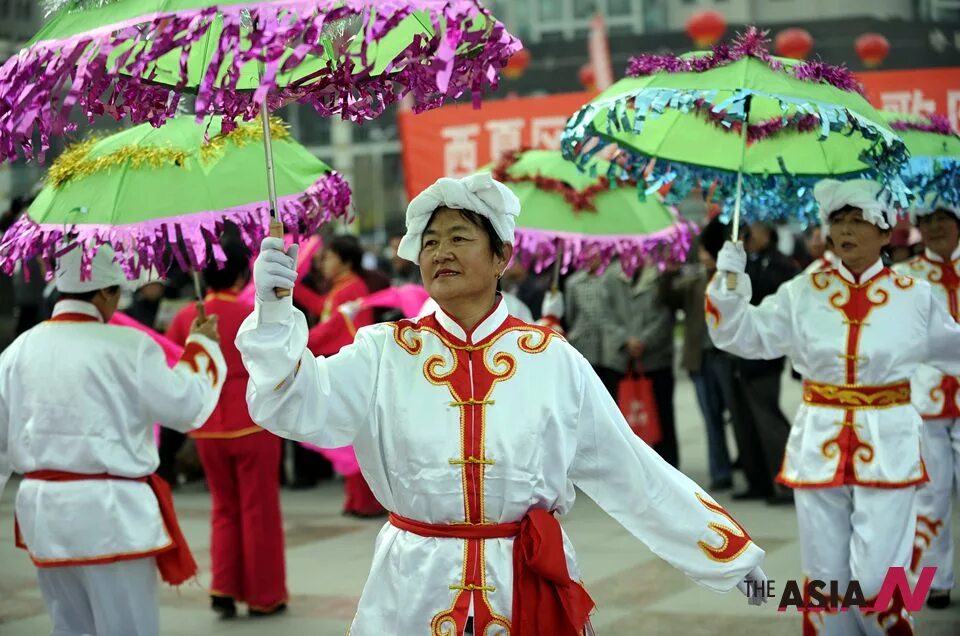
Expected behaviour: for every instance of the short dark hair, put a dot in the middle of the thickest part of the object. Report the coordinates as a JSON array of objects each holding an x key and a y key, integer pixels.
[
  {"x": 478, "y": 220},
  {"x": 219, "y": 277},
  {"x": 713, "y": 236},
  {"x": 348, "y": 249},
  {"x": 88, "y": 296},
  {"x": 850, "y": 208}
]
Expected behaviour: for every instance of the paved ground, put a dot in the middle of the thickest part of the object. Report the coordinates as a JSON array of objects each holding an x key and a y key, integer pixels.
[{"x": 328, "y": 557}]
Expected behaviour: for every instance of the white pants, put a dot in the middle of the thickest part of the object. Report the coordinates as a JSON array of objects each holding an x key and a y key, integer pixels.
[
  {"x": 117, "y": 599},
  {"x": 855, "y": 533},
  {"x": 934, "y": 544}
]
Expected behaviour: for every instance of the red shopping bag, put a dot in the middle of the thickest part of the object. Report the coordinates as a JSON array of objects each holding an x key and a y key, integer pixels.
[{"x": 636, "y": 402}]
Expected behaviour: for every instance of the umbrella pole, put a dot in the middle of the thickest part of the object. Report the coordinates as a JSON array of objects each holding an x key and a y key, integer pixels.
[
  {"x": 198, "y": 290},
  {"x": 735, "y": 233},
  {"x": 555, "y": 283},
  {"x": 276, "y": 225}
]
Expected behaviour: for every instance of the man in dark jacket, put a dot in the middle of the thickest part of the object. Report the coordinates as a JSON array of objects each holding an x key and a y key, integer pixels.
[{"x": 760, "y": 428}]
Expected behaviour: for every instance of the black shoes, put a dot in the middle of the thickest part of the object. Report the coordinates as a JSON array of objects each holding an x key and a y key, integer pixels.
[
  {"x": 938, "y": 599},
  {"x": 745, "y": 495},
  {"x": 721, "y": 484},
  {"x": 224, "y": 606}
]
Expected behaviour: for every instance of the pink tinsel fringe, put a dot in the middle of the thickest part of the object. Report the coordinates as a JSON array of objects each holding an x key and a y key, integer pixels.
[
  {"x": 753, "y": 43},
  {"x": 158, "y": 243},
  {"x": 935, "y": 123},
  {"x": 44, "y": 84}
]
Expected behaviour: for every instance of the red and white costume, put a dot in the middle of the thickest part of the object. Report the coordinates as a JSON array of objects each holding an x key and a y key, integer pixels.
[
  {"x": 853, "y": 455},
  {"x": 937, "y": 398},
  {"x": 466, "y": 437},
  {"x": 241, "y": 462},
  {"x": 78, "y": 400}
]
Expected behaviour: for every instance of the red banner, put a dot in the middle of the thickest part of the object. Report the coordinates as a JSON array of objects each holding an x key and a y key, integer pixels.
[
  {"x": 919, "y": 91},
  {"x": 457, "y": 140}
]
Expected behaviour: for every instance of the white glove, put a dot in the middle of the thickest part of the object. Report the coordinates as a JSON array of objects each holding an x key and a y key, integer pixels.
[
  {"x": 757, "y": 592},
  {"x": 732, "y": 258},
  {"x": 274, "y": 268},
  {"x": 351, "y": 308},
  {"x": 552, "y": 305}
]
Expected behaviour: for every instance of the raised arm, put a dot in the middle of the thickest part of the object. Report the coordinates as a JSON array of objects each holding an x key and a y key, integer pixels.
[
  {"x": 659, "y": 505},
  {"x": 757, "y": 332},
  {"x": 323, "y": 401},
  {"x": 184, "y": 396}
]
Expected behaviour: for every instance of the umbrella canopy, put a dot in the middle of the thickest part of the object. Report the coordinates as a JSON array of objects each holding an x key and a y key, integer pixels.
[
  {"x": 349, "y": 57},
  {"x": 586, "y": 216},
  {"x": 738, "y": 115},
  {"x": 161, "y": 194},
  {"x": 934, "y": 166}
]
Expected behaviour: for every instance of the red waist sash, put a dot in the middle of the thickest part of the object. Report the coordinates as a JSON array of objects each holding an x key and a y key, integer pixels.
[
  {"x": 545, "y": 599},
  {"x": 175, "y": 563}
]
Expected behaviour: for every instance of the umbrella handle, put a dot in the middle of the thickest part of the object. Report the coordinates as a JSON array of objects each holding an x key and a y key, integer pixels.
[
  {"x": 198, "y": 289},
  {"x": 276, "y": 231},
  {"x": 555, "y": 283},
  {"x": 731, "y": 276}
]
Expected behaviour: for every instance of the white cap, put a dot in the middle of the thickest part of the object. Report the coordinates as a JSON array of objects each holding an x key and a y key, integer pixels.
[
  {"x": 930, "y": 204},
  {"x": 104, "y": 271},
  {"x": 478, "y": 193},
  {"x": 833, "y": 195}
]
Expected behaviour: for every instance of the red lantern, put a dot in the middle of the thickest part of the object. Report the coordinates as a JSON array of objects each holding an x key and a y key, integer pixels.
[
  {"x": 517, "y": 64},
  {"x": 706, "y": 28},
  {"x": 795, "y": 43},
  {"x": 588, "y": 79},
  {"x": 872, "y": 48}
]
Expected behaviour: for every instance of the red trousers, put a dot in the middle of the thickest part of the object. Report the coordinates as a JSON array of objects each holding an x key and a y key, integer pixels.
[
  {"x": 358, "y": 498},
  {"x": 246, "y": 546}
]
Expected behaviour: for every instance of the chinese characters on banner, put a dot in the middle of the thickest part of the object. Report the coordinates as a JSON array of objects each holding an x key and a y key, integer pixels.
[
  {"x": 458, "y": 140},
  {"x": 455, "y": 141},
  {"x": 915, "y": 92}
]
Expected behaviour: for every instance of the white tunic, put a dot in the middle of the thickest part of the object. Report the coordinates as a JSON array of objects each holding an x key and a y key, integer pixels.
[
  {"x": 479, "y": 427},
  {"x": 81, "y": 396},
  {"x": 934, "y": 394},
  {"x": 847, "y": 335}
]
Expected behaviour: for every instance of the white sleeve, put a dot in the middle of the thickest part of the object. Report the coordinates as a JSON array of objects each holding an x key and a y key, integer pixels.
[
  {"x": 658, "y": 504},
  {"x": 762, "y": 332},
  {"x": 323, "y": 401},
  {"x": 5, "y": 468},
  {"x": 943, "y": 339},
  {"x": 182, "y": 397}
]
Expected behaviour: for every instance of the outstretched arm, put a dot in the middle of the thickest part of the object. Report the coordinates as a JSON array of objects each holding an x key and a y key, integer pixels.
[
  {"x": 756, "y": 332},
  {"x": 659, "y": 505}
]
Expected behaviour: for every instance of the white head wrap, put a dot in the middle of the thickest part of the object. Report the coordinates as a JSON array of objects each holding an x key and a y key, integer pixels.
[
  {"x": 833, "y": 195},
  {"x": 930, "y": 204},
  {"x": 104, "y": 271},
  {"x": 477, "y": 193}
]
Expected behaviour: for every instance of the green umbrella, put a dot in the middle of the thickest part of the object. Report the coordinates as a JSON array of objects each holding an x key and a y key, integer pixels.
[
  {"x": 136, "y": 57},
  {"x": 934, "y": 166},
  {"x": 681, "y": 120},
  {"x": 583, "y": 217},
  {"x": 163, "y": 194}
]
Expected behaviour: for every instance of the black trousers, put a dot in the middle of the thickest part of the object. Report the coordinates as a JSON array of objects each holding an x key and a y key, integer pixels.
[
  {"x": 759, "y": 426},
  {"x": 664, "y": 382},
  {"x": 171, "y": 442}
]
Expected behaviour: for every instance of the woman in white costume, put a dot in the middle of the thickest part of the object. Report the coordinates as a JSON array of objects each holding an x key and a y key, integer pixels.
[
  {"x": 856, "y": 333},
  {"x": 473, "y": 427},
  {"x": 937, "y": 398}
]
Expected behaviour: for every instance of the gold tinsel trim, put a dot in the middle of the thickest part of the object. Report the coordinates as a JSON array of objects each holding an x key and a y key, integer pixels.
[{"x": 74, "y": 163}]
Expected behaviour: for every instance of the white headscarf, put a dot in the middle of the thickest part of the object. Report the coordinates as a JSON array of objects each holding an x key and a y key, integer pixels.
[
  {"x": 930, "y": 204},
  {"x": 477, "y": 193},
  {"x": 833, "y": 195},
  {"x": 104, "y": 271}
]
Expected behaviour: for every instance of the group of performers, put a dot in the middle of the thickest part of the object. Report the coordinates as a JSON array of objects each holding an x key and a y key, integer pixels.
[{"x": 472, "y": 428}]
